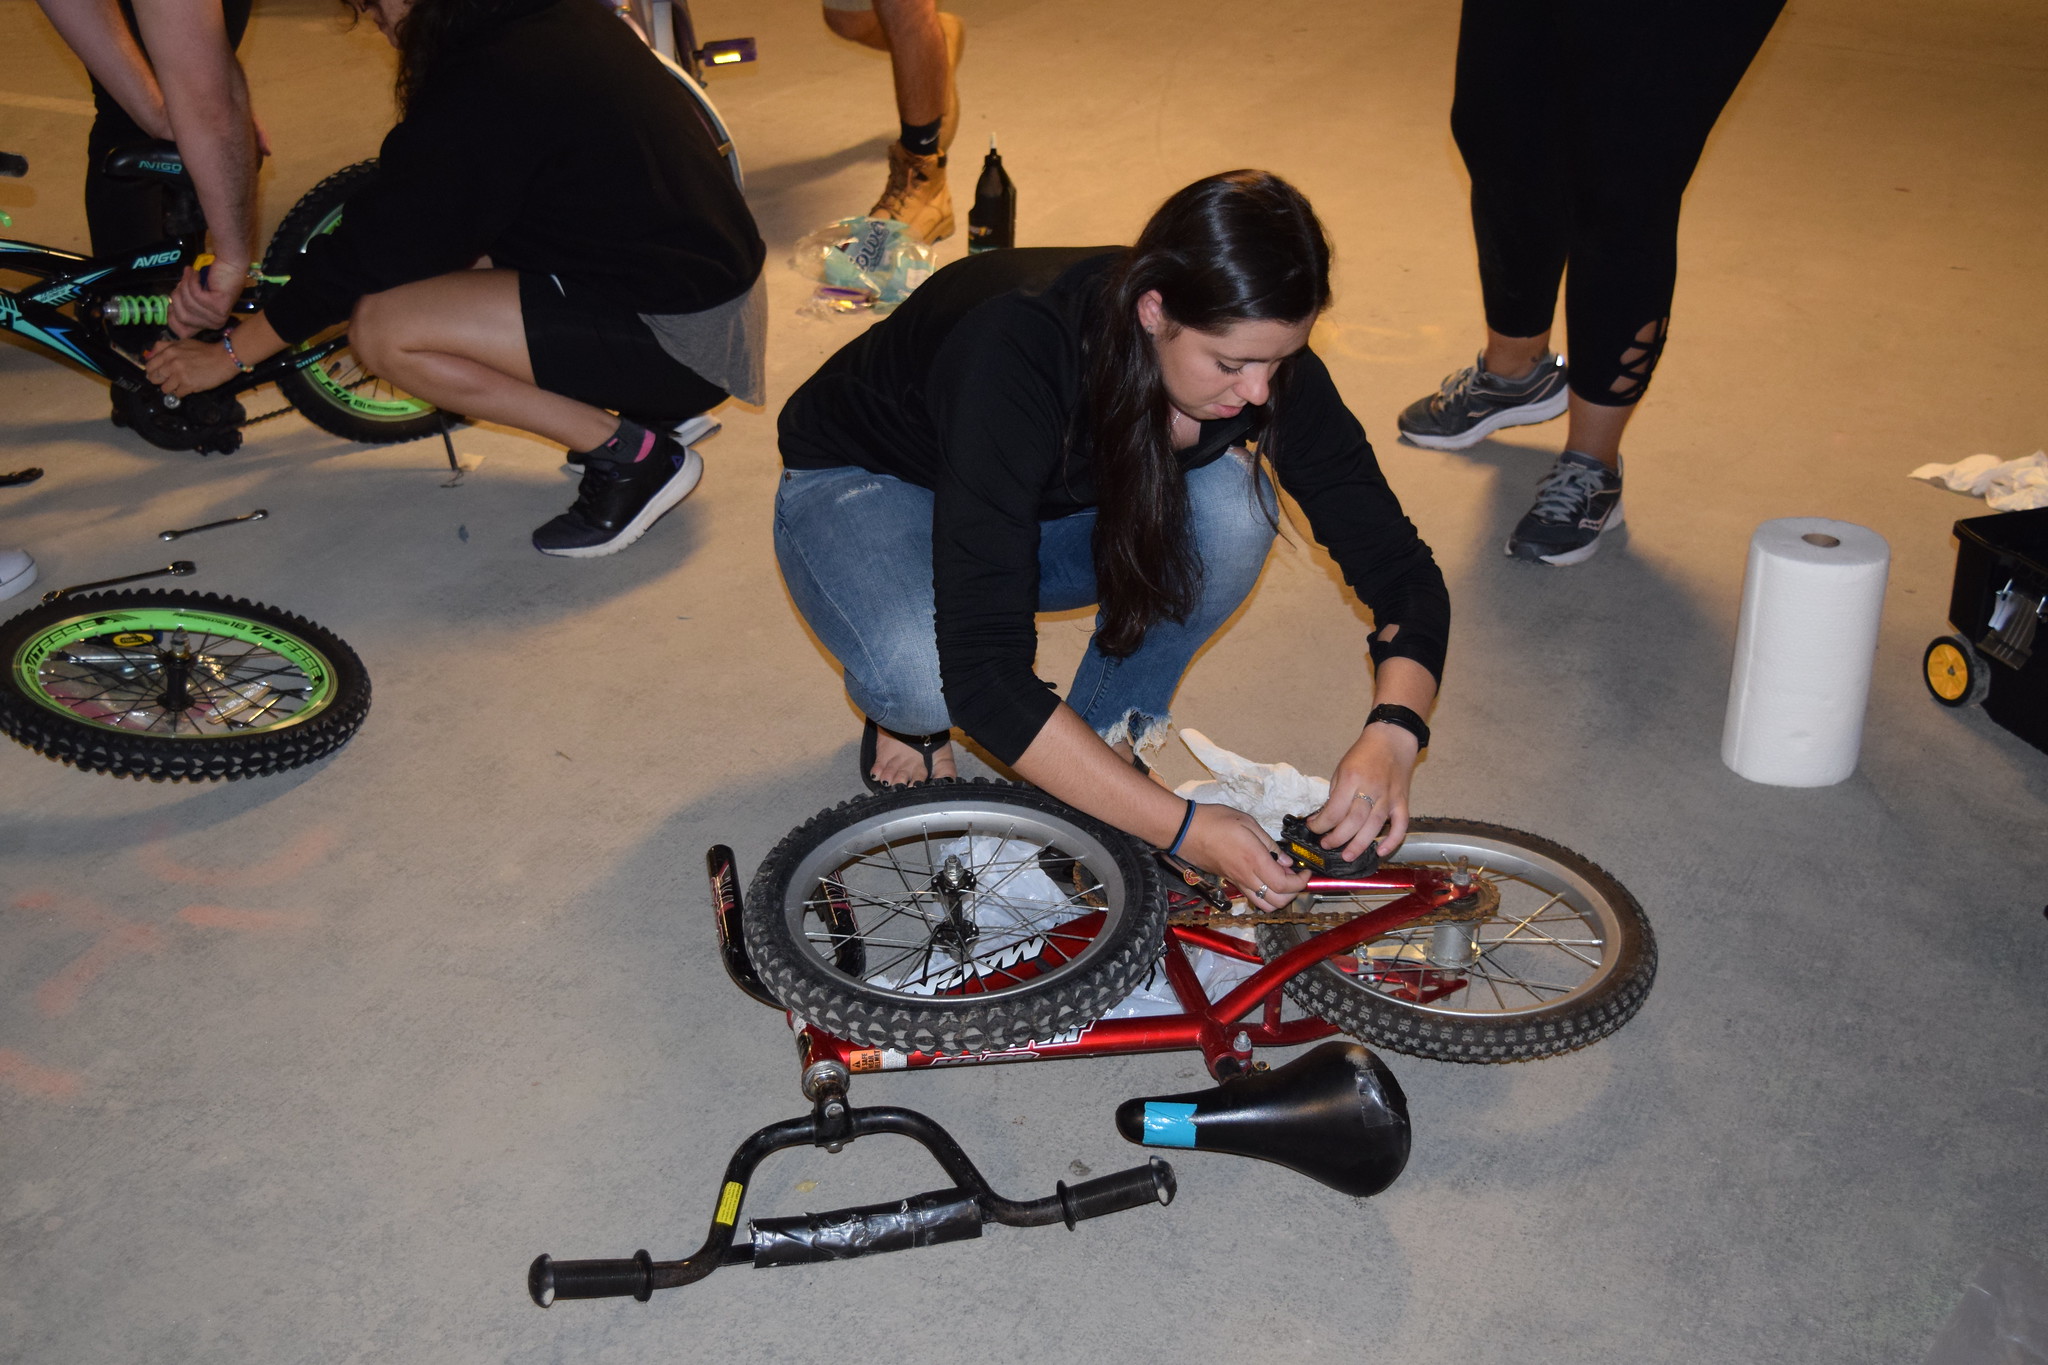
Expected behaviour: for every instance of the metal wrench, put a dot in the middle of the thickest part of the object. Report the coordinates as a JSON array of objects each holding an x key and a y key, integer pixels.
[
  {"x": 177, "y": 568},
  {"x": 257, "y": 515}
]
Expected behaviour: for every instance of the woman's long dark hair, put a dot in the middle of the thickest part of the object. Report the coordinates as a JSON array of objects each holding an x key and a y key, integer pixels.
[
  {"x": 1237, "y": 247},
  {"x": 432, "y": 27}
]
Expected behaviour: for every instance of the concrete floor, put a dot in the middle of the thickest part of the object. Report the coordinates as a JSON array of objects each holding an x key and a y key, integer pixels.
[{"x": 308, "y": 1068}]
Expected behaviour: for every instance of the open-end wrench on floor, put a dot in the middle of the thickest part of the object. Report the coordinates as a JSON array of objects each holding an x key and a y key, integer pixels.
[
  {"x": 257, "y": 515},
  {"x": 177, "y": 568}
]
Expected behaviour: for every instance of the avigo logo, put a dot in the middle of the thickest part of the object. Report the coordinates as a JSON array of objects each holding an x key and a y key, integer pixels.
[{"x": 156, "y": 258}]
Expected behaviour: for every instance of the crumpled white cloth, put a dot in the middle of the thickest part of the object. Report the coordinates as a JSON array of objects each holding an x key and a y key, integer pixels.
[
  {"x": 1264, "y": 791},
  {"x": 2005, "y": 485}
]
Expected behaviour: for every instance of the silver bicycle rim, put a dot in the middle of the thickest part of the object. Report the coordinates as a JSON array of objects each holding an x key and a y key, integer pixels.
[
  {"x": 1550, "y": 943},
  {"x": 889, "y": 867}
]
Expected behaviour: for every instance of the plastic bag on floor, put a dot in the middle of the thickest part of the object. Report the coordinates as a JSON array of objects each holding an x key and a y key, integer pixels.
[
  {"x": 861, "y": 263},
  {"x": 2003, "y": 1318}
]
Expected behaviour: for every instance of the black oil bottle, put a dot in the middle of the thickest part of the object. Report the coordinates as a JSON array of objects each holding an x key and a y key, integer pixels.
[{"x": 992, "y": 222}]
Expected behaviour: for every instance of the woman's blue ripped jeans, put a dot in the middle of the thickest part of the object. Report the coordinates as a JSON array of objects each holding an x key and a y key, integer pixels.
[{"x": 856, "y": 552}]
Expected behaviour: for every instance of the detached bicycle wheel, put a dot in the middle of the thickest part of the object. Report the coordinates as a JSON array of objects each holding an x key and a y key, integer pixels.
[
  {"x": 177, "y": 686},
  {"x": 954, "y": 917},
  {"x": 1553, "y": 955},
  {"x": 337, "y": 394}
]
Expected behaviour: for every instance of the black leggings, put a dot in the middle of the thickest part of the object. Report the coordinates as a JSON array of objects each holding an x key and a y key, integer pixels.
[
  {"x": 1580, "y": 122},
  {"x": 125, "y": 215}
]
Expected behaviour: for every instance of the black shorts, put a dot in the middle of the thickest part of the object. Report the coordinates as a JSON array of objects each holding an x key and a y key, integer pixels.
[{"x": 603, "y": 355}]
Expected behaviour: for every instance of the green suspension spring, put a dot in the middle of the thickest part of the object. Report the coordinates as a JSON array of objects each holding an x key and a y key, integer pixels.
[{"x": 137, "y": 310}]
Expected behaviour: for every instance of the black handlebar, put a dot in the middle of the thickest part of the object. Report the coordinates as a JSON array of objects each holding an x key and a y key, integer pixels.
[{"x": 930, "y": 1219}]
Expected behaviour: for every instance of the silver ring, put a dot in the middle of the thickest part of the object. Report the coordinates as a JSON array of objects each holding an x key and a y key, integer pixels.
[
  {"x": 1262, "y": 892},
  {"x": 1361, "y": 796}
]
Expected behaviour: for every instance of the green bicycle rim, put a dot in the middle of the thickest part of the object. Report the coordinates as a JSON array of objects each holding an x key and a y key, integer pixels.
[
  {"x": 341, "y": 394},
  {"x": 309, "y": 662}
]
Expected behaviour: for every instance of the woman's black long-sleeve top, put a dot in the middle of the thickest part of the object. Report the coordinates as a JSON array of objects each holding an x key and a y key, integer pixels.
[
  {"x": 551, "y": 140},
  {"x": 971, "y": 388}
]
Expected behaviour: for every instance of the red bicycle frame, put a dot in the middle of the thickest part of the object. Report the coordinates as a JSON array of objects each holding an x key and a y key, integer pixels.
[{"x": 1223, "y": 1031}]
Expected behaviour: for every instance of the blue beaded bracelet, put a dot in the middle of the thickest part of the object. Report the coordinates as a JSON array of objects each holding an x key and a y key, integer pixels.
[{"x": 1186, "y": 822}]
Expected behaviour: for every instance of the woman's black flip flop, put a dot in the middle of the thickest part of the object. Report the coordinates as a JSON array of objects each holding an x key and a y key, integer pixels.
[{"x": 928, "y": 745}]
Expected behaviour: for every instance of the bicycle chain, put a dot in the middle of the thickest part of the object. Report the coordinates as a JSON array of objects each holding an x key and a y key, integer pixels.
[{"x": 1189, "y": 909}]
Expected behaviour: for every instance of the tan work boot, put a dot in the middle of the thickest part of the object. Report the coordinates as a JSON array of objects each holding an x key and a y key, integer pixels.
[
  {"x": 916, "y": 195},
  {"x": 955, "y": 30}
]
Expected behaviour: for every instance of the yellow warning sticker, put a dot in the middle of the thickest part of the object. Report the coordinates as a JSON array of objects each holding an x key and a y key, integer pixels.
[
  {"x": 729, "y": 1202},
  {"x": 130, "y": 639}
]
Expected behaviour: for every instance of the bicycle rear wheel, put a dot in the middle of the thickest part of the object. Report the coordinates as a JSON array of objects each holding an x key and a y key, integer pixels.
[
  {"x": 1557, "y": 955},
  {"x": 337, "y": 394}
]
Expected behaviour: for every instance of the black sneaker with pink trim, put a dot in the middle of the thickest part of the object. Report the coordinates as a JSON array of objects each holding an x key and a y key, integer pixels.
[{"x": 628, "y": 484}]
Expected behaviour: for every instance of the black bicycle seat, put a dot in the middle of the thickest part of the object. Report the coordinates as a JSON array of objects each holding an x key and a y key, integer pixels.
[{"x": 146, "y": 161}]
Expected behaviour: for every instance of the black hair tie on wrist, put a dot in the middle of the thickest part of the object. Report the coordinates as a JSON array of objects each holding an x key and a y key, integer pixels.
[{"x": 1186, "y": 823}]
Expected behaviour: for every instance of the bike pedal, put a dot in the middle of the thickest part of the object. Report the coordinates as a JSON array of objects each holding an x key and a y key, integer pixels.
[{"x": 1300, "y": 843}]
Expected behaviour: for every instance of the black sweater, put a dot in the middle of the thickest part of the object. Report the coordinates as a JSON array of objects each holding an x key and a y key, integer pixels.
[
  {"x": 551, "y": 141},
  {"x": 971, "y": 389}
]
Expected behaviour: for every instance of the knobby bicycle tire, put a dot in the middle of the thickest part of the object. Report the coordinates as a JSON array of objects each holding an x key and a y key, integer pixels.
[
  {"x": 1057, "y": 918},
  {"x": 338, "y": 394},
  {"x": 175, "y": 686},
  {"x": 1600, "y": 932}
]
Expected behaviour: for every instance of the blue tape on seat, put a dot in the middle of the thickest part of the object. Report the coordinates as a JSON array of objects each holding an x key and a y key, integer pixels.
[{"x": 1169, "y": 1125}]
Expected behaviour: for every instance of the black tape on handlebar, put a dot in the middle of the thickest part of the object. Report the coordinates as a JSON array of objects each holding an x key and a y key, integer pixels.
[{"x": 923, "y": 1220}]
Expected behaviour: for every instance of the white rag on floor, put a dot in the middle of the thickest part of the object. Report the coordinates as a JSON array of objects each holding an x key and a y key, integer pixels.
[{"x": 2005, "y": 485}]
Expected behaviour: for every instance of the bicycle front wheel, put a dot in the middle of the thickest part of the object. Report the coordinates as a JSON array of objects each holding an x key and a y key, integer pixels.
[
  {"x": 1557, "y": 955},
  {"x": 177, "y": 686},
  {"x": 954, "y": 917}
]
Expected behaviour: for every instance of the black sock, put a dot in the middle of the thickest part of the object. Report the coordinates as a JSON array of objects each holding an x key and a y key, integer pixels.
[
  {"x": 630, "y": 444},
  {"x": 922, "y": 139}
]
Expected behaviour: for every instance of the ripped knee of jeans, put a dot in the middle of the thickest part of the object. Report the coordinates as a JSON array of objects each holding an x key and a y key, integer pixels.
[{"x": 1145, "y": 734}]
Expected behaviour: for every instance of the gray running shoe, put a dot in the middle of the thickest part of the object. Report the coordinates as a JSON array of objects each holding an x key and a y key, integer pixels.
[
  {"x": 1473, "y": 404},
  {"x": 1578, "y": 501}
]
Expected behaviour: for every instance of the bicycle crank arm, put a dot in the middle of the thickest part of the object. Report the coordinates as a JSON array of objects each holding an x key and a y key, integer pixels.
[
  {"x": 177, "y": 568},
  {"x": 257, "y": 515}
]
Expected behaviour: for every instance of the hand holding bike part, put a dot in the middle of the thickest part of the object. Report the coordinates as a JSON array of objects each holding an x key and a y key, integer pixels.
[
  {"x": 950, "y": 1215},
  {"x": 257, "y": 515},
  {"x": 1305, "y": 847}
]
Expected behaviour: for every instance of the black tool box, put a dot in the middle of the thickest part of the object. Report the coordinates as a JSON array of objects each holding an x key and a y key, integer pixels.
[{"x": 2000, "y": 653}]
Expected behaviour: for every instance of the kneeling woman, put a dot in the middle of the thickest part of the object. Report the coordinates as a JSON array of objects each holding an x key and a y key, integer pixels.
[
  {"x": 543, "y": 141},
  {"x": 1041, "y": 429}
]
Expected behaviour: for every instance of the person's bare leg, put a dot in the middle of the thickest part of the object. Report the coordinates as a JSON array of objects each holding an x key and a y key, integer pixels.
[
  {"x": 896, "y": 761},
  {"x": 1513, "y": 357},
  {"x": 917, "y": 56},
  {"x": 858, "y": 26},
  {"x": 1595, "y": 430},
  {"x": 459, "y": 341}
]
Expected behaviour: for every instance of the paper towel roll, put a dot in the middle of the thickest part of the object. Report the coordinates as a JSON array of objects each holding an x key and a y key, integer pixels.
[{"x": 1810, "y": 606}]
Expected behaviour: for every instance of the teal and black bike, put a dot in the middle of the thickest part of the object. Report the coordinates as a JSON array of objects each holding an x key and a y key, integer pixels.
[{"x": 102, "y": 313}]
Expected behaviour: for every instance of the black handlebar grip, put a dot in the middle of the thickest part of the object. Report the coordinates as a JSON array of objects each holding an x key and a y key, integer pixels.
[
  {"x": 548, "y": 1279},
  {"x": 12, "y": 165},
  {"x": 1151, "y": 1183}
]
